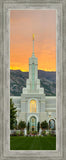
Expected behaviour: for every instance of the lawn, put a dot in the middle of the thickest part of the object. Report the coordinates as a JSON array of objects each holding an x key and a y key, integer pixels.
[{"x": 32, "y": 143}]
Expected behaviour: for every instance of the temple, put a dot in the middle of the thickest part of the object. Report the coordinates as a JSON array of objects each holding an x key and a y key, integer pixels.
[{"x": 33, "y": 105}]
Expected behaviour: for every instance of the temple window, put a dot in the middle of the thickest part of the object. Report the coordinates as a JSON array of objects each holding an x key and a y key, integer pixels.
[{"x": 33, "y": 106}]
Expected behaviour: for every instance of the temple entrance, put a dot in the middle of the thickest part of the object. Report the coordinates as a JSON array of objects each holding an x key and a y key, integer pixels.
[{"x": 33, "y": 124}]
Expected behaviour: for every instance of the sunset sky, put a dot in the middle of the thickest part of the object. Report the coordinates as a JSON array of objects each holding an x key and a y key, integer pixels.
[{"x": 23, "y": 23}]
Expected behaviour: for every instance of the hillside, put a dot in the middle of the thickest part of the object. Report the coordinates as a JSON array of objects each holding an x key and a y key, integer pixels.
[{"x": 18, "y": 81}]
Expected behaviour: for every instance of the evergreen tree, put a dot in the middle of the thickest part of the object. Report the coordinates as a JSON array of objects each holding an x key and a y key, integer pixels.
[
  {"x": 38, "y": 126},
  {"x": 12, "y": 114},
  {"x": 28, "y": 126}
]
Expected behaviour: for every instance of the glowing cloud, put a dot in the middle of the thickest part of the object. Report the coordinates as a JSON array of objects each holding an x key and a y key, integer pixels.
[{"x": 23, "y": 23}]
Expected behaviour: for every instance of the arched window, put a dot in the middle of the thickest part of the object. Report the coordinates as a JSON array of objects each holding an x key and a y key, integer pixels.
[
  {"x": 33, "y": 106},
  {"x": 51, "y": 123}
]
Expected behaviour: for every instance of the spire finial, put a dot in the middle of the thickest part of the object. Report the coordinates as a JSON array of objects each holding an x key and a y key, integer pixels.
[
  {"x": 33, "y": 36},
  {"x": 33, "y": 45}
]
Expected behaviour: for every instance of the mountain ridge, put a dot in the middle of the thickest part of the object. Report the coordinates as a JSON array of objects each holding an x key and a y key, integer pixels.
[{"x": 18, "y": 81}]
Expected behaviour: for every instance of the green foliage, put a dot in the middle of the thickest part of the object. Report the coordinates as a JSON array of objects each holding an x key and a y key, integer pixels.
[
  {"x": 34, "y": 132},
  {"x": 21, "y": 133},
  {"x": 43, "y": 133},
  {"x": 44, "y": 125},
  {"x": 52, "y": 133},
  {"x": 15, "y": 124},
  {"x": 12, "y": 115},
  {"x": 14, "y": 134},
  {"x": 18, "y": 134},
  {"x": 28, "y": 132},
  {"x": 21, "y": 125},
  {"x": 38, "y": 127},
  {"x": 28, "y": 125}
]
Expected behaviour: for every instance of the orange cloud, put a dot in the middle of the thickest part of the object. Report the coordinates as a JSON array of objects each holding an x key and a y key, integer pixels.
[{"x": 23, "y": 23}]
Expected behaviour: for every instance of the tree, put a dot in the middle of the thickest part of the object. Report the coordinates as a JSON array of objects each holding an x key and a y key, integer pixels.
[
  {"x": 38, "y": 126},
  {"x": 12, "y": 114},
  {"x": 44, "y": 125},
  {"x": 28, "y": 126},
  {"x": 21, "y": 125}
]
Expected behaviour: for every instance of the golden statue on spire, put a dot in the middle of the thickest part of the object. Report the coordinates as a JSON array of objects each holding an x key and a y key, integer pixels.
[{"x": 33, "y": 36}]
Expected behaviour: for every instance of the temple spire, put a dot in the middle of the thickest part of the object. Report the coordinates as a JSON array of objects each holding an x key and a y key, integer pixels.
[{"x": 33, "y": 45}]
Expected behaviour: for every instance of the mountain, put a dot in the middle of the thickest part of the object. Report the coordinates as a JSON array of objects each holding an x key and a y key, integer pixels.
[
  {"x": 18, "y": 81},
  {"x": 48, "y": 75}
]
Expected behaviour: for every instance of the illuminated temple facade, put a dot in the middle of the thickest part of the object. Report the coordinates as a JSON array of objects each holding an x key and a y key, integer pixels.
[{"x": 33, "y": 105}]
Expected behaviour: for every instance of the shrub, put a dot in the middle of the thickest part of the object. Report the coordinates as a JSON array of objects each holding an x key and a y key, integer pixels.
[
  {"x": 43, "y": 133},
  {"x": 52, "y": 133},
  {"x": 34, "y": 132},
  {"x": 21, "y": 125},
  {"x": 44, "y": 125},
  {"x": 28, "y": 132},
  {"x": 18, "y": 133},
  {"x": 21, "y": 133},
  {"x": 14, "y": 134}
]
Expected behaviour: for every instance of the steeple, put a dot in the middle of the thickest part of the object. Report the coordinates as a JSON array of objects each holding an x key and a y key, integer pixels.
[
  {"x": 33, "y": 83},
  {"x": 33, "y": 46}
]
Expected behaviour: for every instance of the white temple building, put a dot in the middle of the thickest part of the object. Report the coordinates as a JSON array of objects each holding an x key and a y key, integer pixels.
[{"x": 33, "y": 105}]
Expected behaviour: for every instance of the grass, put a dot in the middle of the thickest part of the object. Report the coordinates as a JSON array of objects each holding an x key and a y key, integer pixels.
[{"x": 32, "y": 143}]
